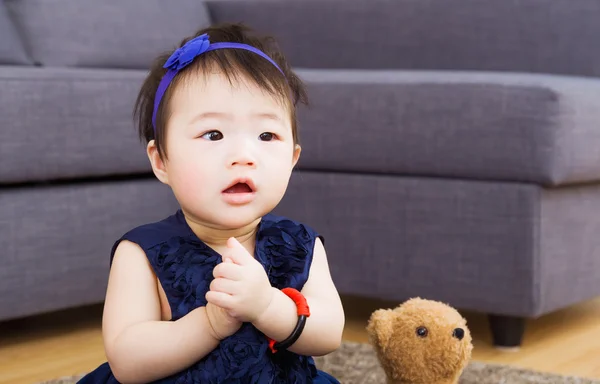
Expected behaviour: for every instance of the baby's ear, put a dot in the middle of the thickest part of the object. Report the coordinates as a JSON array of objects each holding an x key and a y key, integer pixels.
[
  {"x": 296, "y": 156},
  {"x": 381, "y": 326},
  {"x": 158, "y": 165}
]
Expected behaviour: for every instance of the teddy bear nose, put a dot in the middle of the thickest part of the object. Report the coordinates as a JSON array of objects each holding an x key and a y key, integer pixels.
[{"x": 459, "y": 333}]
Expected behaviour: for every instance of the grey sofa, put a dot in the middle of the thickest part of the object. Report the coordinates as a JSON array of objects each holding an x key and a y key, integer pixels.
[{"x": 451, "y": 151}]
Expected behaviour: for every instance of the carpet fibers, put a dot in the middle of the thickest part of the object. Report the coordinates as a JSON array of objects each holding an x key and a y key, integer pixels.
[{"x": 356, "y": 363}]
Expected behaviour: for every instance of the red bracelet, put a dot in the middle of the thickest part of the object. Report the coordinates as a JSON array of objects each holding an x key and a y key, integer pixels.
[{"x": 303, "y": 312}]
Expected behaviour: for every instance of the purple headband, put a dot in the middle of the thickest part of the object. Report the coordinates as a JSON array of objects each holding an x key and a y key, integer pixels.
[{"x": 183, "y": 56}]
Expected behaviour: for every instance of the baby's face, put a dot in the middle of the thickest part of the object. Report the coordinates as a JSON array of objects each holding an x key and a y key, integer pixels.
[{"x": 221, "y": 133}]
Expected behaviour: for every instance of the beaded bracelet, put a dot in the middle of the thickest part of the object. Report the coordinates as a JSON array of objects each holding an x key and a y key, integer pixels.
[{"x": 303, "y": 314}]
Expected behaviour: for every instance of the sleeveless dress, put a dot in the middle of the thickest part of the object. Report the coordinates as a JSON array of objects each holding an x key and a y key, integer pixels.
[{"x": 183, "y": 265}]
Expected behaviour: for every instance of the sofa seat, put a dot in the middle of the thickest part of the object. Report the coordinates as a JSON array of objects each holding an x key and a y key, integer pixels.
[{"x": 468, "y": 125}]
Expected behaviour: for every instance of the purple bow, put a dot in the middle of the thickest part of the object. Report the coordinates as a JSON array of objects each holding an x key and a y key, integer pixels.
[{"x": 183, "y": 56}]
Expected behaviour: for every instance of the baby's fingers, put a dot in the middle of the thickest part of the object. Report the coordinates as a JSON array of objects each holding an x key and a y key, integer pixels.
[
  {"x": 220, "y": 284},
  {"x": 220, "y": 299},
  {"x": 228, "y": 270}
]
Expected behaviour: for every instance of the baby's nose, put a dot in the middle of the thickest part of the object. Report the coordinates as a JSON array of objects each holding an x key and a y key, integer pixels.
[
  {"x": 459, "y": 333},
  {"x": 243, "y": 161}
]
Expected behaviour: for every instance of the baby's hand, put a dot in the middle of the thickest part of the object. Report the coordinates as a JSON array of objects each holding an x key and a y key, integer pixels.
[
  {"x": 241, "y": 285},
  {"x": 221, "y": 323}
]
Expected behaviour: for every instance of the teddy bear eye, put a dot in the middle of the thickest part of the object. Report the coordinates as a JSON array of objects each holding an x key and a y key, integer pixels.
[{"x": 422, "y": 332}]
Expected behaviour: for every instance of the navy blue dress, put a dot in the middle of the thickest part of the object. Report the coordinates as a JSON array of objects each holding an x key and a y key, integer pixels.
[{"x": 184, "y": 265}]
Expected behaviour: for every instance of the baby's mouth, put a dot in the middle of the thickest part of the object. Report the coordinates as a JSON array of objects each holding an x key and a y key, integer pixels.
[
  {"x": 240, "y": 185},
  {"x": 239, "y": 188},
  {"x": 241, "y": 191}
]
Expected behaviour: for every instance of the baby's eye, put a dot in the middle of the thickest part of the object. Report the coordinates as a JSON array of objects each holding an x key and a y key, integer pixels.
[
  {"x": 267, "y": 136},
  {"x": 213, "y": 135}
]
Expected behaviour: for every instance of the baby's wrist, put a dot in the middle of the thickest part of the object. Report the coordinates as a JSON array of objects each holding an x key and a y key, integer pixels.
[
  {"x": 266, "y": 313},
  {"x": 280, "y": 307},
  {"x": 211, "y": 323}
]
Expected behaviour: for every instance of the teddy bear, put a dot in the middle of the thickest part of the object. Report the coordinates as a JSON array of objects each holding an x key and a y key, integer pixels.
[{"x": 420, "y": 342}]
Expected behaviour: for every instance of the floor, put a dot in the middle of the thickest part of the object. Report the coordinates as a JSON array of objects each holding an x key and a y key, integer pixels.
[{"x": 70, "y": 342}]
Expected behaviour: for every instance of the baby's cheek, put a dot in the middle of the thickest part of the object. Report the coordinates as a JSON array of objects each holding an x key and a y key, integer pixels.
[
  {"x": 190, "y": 186},
  {"x": 277, "y": 188}
]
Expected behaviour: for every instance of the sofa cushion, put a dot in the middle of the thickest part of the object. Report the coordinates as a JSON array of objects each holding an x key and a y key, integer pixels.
[
  {"x": 11, "y": 48},
  {"x": 68, "y": 123},
  {"x": 553, "y": 36},
  {"x": 107, "y": 33},
  {"x": 529, "y": 128}
]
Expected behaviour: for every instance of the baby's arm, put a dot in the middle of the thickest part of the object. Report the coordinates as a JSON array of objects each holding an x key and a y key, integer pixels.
[
  {"x": 323, "y": 331},
  {"x": 139, "y": 346}
]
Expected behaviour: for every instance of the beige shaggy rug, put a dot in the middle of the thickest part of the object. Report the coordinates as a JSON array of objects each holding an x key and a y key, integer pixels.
[{"x": 356, "y": 363}]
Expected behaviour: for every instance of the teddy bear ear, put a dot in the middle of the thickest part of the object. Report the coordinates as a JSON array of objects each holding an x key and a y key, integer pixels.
[{"x": 380, "y": 326}]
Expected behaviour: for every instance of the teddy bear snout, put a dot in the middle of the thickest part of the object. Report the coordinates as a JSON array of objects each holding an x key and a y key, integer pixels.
[{"x": 459, "y": 333}]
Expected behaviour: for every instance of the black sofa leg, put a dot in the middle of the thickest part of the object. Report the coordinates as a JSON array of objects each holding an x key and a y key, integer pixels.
[{"x": 507, "y": 331}]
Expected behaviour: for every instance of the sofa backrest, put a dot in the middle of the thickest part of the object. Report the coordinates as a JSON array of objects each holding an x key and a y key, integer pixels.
[
  {"x": 539, "y": 36},
  {"x": 544, "y": 36},
  {"x": 12, "y": 51},
  {"x": 104, "y": 33}
]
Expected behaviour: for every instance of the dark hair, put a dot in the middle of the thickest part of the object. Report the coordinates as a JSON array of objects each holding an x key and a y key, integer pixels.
[{"x": 232, "y": 63}]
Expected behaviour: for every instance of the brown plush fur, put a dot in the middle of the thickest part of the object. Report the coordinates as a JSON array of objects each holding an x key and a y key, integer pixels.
[{"x": 407, "y": 358}]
